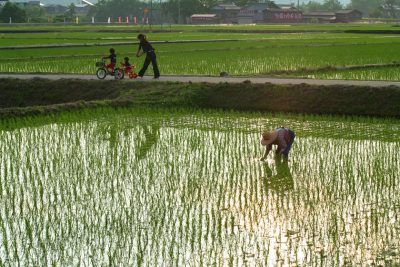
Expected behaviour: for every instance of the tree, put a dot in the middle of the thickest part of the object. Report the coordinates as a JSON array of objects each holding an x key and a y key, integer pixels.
[
  {"x": 332, "y": 5},
  {"x": 245, "y": 2},
  {"x": 390, "y": 6},
  {"x": 311, "y": 6},
  {"x": 367, "y": 7},
  {"x": 377, "y": 13},
  {"x": 179, "y": 10},
  {"x": 12, "y": 11},
  {"x": 119, "y": 8},
  {"x": 92, "y": 12},
  {"x": 208, "y": 4},
  {"x": 70, "y": 13},
  {"x": 35, "y": 13}
]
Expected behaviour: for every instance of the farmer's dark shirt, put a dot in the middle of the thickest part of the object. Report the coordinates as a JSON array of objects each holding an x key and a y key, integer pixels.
[{"x": 146, "y": 46}]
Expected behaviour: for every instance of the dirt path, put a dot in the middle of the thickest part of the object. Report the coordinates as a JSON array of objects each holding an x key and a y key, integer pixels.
[{"x": 213, "y": 79}]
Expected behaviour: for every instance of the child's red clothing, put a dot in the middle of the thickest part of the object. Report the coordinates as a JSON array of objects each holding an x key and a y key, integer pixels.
[{"x": 110, "y": 66}]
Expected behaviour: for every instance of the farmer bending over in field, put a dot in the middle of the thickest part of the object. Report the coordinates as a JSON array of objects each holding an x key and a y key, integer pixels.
[
  {"x": 150, "y": 56},
  {"x": 113, "y": 60},
  {"x": 282, "y": 137}
]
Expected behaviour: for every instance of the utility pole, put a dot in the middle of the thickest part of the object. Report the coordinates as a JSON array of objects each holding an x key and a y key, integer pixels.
[
  {"x": 151, "y": 12},
  {"x": 161, "y": 15},
  {"x": 179, "y": 11}
]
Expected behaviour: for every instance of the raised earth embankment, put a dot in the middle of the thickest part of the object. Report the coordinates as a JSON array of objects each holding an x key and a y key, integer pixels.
[{"x": 37, "y": 96}]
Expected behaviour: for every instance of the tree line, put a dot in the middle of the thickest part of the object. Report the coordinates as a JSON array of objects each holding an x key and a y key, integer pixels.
[
  {"x": 369, "y": 8},
  {"x": 175, "y": 11}
]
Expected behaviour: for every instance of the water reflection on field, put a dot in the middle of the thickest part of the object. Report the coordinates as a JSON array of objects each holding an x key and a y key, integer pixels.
[{"x": 189, "y": 190}]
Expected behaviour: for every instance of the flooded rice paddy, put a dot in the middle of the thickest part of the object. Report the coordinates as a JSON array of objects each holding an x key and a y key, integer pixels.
[{"x": 186, "y": 188}]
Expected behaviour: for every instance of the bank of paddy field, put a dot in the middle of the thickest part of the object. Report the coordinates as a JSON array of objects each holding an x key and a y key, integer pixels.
[
  {"x": 35, "y": 96},
  {"x": 184, "y": 187},
  {"x": 239, "y": 52}
]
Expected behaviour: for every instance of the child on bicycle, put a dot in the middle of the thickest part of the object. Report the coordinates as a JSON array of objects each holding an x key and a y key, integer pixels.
[{"x": 113, "y": 60}]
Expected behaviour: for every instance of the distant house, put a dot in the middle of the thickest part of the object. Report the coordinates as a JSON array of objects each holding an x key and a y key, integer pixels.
[
  {"x": 348, "y": 15},
  {"x": 327, "y": 16},
  {"x": 66, "y": 2},
  {"x": 227, "y": 13},
  {"x": 319, "y": 16},
  {"x": 34, "y": 3},
  {"x": 286, "y": 15},
  {"x": 255, "y": 13},
  {"x": 90, "y": 3},
  {"x": 55, "y": 9},
  {"x": 22, "y": 2},
  {"x": 204, "y": 19},
  {"x": 82, "y": 9},
  {"x": 286, "y": 7}
]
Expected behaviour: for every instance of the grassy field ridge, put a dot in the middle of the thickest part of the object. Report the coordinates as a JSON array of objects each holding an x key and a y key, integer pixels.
[{"x": 35, "y": 96}]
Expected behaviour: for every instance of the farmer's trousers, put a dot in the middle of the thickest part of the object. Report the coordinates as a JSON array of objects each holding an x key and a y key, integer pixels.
[
  {"x": 289, "y": 144},
  {"x": 150, "y": 57}
]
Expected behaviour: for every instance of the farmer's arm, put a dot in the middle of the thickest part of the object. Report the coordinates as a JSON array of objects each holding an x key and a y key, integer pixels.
[
  {"x": 138, "y": 54},
  {"x": 267, "y": 150}
]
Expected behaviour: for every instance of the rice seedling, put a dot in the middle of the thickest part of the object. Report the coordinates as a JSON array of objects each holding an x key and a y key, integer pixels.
[
  {"x": 381, "y": 73},
  {"x": 176, "y": 187}
]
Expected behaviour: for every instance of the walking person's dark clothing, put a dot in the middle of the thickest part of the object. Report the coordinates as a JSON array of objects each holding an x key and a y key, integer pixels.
[{"x": 147, "y": 48}]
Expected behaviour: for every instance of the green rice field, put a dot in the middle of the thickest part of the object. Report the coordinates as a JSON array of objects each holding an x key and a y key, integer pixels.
[
  {"x": 185, "y": 27},
  {"x": 384, "y": 73},
  {"x": 238, "y": 53},
  {"x": 165, "y": 187}
]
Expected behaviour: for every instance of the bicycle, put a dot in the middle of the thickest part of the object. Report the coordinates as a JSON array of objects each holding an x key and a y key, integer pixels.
[{"x": 103, "y": 71}]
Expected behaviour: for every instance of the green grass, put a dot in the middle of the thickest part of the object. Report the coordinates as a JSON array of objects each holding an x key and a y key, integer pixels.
[{"x": 185, "y": 187}]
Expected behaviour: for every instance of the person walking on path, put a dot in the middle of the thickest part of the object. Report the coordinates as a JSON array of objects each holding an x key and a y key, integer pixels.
[
  {"x": 282, "y": 137},
  {"x": 147, "y": 48}
]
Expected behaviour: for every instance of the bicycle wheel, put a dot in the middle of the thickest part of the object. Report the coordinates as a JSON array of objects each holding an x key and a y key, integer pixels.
[
  {"x": 101, "y": 73},
  {"x": 119, "y": 73}
]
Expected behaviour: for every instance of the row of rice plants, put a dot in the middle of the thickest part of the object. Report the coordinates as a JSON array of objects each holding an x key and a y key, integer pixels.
[
  {"x": 381, "y": 73},
  {"x": 11, "y": 39},
  {"x": 136, "y": 187},
  {"x": 130, "y": 27},
  {"x": 248, "y": 42}
]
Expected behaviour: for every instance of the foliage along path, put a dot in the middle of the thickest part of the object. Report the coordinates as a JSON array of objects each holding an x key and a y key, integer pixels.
[{"x": 214, "y": 79}]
